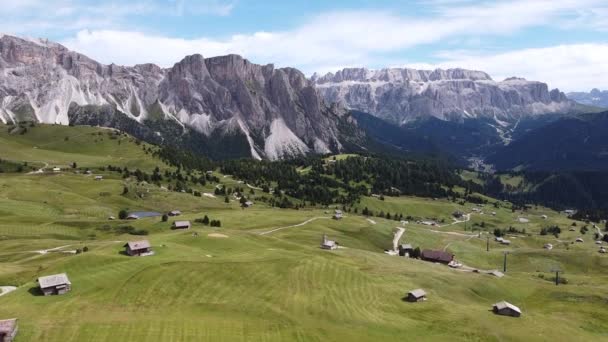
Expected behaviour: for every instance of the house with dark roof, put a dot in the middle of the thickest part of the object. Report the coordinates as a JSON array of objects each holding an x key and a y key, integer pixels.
[
  {"x": 8, "y": 329},
  {"x": 55, "y": 284},
  {"x": 138, "y": 248},
  {"x": 506, "y": 309},
  {"x": 416, "y": 295},
  {"x": 436, "y": 256}
]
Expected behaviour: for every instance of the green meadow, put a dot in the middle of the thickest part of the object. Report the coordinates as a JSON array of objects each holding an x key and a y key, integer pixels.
[{"x": 261, "y": 276}]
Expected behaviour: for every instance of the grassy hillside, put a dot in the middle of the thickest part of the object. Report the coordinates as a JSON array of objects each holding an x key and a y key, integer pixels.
[{"x": 261, "y": 276}]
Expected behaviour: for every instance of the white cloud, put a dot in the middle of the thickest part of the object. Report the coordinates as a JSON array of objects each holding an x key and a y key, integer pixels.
[
  {"x": 576, "y": 67},
  {"x": 351, "y": 38}
]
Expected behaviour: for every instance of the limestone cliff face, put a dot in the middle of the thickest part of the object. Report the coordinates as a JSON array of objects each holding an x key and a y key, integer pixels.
[
  {"x": 404, "y": 95},
  {"x": 278, "y": 110}
]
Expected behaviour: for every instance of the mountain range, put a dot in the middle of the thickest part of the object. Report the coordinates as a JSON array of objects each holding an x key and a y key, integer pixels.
[
  {"x": 595, "y": 97},
  {"x": 228, "y": 107},
  {"x": 277, "y": 111},
  {"x": 401, "y": 96}
]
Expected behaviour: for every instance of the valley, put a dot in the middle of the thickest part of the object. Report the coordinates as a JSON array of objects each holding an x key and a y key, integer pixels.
[{"x": 261, "y": 275}]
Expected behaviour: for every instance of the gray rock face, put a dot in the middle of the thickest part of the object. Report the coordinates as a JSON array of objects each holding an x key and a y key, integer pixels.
[
  {"x": 404, "y": 95},
  {"x": 278, "y": 110}
]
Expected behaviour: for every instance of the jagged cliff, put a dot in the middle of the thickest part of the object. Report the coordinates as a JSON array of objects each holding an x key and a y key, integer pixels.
[
  {"x": 404, "y": 95},
  {"x": 278, "y": 111}
]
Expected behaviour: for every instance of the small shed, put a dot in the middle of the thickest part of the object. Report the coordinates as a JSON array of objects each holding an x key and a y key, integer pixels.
[
  {"x": 417, "y": 295},
  {"x": 328, "y": 244},
  {"x": 437, "y": 256},
  {"x": 181, "y": 225},
  {"x": 55, "y": 284},
  {"x": 505, "y": 242},
  {"x": 248, "y": 204},
  {"x": 138, "y": 248},
  {"x": 338, "y": 214},
  {"x": 405, "y": 249},
  {"x": 8, "y": 329},
  {"x": 548, "y": 246},
  {"x": 98, "y": 178},
  {"x": 56, "y": 169},
  {"x": 506, "y": 309},
  {"x": 174, "y": 213}
]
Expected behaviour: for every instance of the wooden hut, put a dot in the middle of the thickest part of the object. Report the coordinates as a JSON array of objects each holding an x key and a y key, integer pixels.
[
  {"x": 55, "y": 284},
  {"x": 405, "y": 249},
  {"x": 138, "y": 248},
  {"x": 181, "y": 225},
  {"x": 417, "y": 295},
  {"x": 328, "y": 244},
  {"x": 8, "y": 329},
  {"x": 506, "y": 309}
]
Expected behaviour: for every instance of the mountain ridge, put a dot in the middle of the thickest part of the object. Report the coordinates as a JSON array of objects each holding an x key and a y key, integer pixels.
[
  {"x": 402, "y": 95},
  {"x": 277, "y": 110}
]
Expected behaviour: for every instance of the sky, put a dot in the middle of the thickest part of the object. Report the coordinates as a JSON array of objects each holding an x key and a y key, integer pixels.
[{"x": 561, "y": 42}]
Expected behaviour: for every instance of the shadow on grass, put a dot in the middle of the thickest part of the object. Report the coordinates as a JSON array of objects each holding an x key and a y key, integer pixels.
[{"x": 35, "y": 291}]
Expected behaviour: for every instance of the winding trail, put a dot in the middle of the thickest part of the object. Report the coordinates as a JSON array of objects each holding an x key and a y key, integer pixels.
[
  {"x": 295, "y": 225},
  {"x": 41, "y": 170},
  {"x": 397, "y": 237}
]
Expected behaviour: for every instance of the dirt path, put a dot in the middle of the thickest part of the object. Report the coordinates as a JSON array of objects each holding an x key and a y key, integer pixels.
[
  {"x": 253, "y": 187},
  {"x": 295, "y": 225},
  {"x": 397, "y": 237},
  {"x": 6, "y": 290},
  {"x": 599, "y": 233},
  {"x": 41, "y": 170},
  {"x": 467, "y": 218}
]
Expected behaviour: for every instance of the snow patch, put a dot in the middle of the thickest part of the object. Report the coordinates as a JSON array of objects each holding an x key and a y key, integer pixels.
[{"x": 282, "y": 142}]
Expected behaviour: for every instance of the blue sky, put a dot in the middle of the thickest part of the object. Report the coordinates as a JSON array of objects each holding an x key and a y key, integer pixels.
[{"x": 561, "y": 42}]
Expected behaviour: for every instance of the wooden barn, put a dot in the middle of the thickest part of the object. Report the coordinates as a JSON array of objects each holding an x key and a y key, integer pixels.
[
  {"x": 436, "y": 256},
  {"x": 55, "y": 284},
  {"x": 8, "y": 329},
  {"x": 405, "y": 249},
  {"x": 417, "y": 295},
  {"x": 328, "y": 244},
  {"x": 181, "y": 225},
  {"x": 138, "y": 248},
  {"x": 506, "y": 309}
]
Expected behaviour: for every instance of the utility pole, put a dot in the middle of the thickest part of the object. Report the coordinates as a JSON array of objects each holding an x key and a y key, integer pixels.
[
  {"x": 488, "y": 243},
  {"x": 557, "y": 272},
  {"x": 504, "y": 268}
]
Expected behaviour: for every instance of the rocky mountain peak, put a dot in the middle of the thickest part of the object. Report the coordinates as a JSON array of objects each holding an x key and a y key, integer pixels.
[
  {"x": 277, "y": 111},
  {"x": 401, "y": 95}
]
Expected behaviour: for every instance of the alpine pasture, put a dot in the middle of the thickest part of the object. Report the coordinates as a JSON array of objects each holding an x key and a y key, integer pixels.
[{"x": 261, "y": 276}]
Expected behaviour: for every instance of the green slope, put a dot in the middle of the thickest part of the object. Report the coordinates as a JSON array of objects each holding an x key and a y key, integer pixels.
[{"x": 278, "y": 286}]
